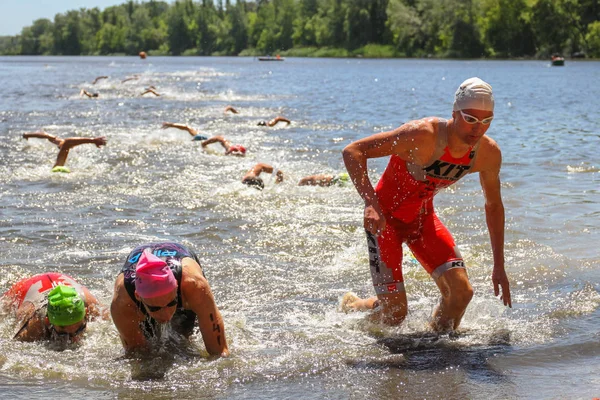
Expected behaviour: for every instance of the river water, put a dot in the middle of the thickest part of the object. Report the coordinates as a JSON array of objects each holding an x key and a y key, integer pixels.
[{"x": 280, "y": 259}]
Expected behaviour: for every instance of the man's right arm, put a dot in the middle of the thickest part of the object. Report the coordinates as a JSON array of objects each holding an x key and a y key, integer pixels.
[
  {"x": 126, "y": 317},
  {"x": 30, "y": 324},
  {"x": 76, "y": 141},
  {"x": 411, "y": 142},
  {"x": 182, "y": 127}
]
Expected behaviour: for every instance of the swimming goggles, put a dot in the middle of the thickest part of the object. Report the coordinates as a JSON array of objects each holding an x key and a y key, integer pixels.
[
  {"x": 158, "y": 308},
  {"x": 469, "y": 119},
  {"x": 67, "y": 335}
]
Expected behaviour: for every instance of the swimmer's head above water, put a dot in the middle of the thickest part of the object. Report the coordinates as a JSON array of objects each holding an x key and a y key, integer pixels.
[
  {"x": 65, "y": 306},
  {"x": 153, "y": 277},
  {"x": 474, "y": 94},
  {"x": 254, "y": 182},
  {"x": 262, "y": 123},
  {"x": 237, "y": 149}
]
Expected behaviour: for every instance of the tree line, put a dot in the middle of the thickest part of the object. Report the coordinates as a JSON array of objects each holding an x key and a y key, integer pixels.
[{"x": 371, "y": 28}]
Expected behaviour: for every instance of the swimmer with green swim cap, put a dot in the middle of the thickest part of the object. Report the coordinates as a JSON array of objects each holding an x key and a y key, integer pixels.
[
  {"x": 51, "y": 306},
  {"x": 64, "y": 145},
  {"x": 325, "y": 180},
  {"x": 65, "y": 306},
  {"x": 61, "y": 169}
]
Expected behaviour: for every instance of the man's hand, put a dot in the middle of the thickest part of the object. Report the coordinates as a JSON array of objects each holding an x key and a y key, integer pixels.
[
  {"x": 165, "y": 125},
  {"x": 499, "y": 278},
  {"x": 374, "y": 220},
  {"x": 100, "y": 141}
]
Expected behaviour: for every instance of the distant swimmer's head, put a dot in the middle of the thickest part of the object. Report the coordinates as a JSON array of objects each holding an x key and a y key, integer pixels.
[
  {"x": 474, "y": 94},
  {"x": 255, "y": 182},
  {"x": 65, "y": 306},
  {"x": 153, "y": 277},
  {"x": 344, "y": 177},
  {"x": 341, "y": 179},
  {"x": 199, "y": 138},
  {"x": 237, "y": 149},
  {"x": 262, "y": 123},
  {"x": 60, "y": 168},
  {"x": 95, "y": 94}
]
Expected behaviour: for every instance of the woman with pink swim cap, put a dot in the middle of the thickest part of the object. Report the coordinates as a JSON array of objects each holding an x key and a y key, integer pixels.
[
  {"x": 426, "y": 156},
  {"x": 163, "y": 283}
]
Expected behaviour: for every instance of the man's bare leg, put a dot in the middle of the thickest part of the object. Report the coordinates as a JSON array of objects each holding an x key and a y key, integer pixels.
[{"x": 456, "y": 293}]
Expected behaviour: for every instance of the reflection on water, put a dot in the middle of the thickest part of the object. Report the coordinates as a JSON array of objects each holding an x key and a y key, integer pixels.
[{"x": 280, "y": 259}]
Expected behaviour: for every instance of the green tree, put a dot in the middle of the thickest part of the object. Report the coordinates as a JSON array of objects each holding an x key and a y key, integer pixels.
[
  {"x": 178, "y": 34},
  {"x": 593, "y": 39},
  {"x": 506, "y": 28},
  {"x": 238, "y": 22},
  {"x": 405, "y": 25}
]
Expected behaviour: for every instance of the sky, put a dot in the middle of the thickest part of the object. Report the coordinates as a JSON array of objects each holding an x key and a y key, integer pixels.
[{"x": 17, "y": 14}]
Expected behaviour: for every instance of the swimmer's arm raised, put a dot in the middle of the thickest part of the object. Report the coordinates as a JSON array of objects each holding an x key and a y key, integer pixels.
[
  {"x": 182, "y": 127},
  {"x": 76, "y": 141},
  {"x": 43, "y": 135},
  {"x": 489, "y": 177},
  {"x": 278, "y": 119},
  {"x": 130, "y": 79},
  {"x": 217, "y": 139},
  {"x": 262, "y": 167},
  {"x": 154, "y": 92},
  {"x": 98, "y": 78},
  {"x": 230, "y": 108}
]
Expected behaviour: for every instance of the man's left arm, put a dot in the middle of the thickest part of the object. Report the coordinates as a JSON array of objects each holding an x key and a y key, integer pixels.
[
  {"x": 489, "y": 177},
  {"x": 200, "y": 300}
]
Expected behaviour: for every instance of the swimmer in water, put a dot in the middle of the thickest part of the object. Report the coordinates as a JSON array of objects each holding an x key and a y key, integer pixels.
[
  {"x": 51, "y": 306},
  {"x": 193, "y": 132},
  {"x": 230, "y": 109},
  {"x": 89, "y": 94},
  {"x": 236, "y": 149},
  {"x": 163, "y": 284},
  {"x": 428, "y": 155},
  {"x": 325, "y": 180},
  {"x": 99, "y": 78},
  {"x": 274, "y": 121},
  {"x": 150, "y": 90},
  {"x": 253, "y": 179},
  {"x": 130, "y": 78},
  {"x": 65, "y": 145}
]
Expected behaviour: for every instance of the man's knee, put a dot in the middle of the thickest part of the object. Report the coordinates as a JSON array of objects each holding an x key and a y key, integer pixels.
[{"x": 460, "y": 293}]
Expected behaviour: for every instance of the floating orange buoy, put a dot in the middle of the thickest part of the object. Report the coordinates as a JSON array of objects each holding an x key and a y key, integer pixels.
[{"x": 142, "y": 55}]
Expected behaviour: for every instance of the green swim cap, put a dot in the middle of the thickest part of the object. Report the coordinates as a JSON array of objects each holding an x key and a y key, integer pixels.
[
  {"x": 344, "y": 177},
  {"x": 59, "y": 168},
  {"x": 65, "y": 307}
]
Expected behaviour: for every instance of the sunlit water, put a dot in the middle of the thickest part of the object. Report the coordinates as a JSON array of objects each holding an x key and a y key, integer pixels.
[{"x": 280, "y": 260}]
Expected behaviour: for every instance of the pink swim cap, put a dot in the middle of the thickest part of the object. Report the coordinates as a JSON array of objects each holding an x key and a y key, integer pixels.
[
  {"x": 153, "y": 277},
  {"x": 238, "y": 148}
]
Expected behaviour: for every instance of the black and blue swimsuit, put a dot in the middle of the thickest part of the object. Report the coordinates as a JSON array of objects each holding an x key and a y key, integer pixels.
[{"x": 184, "y": 320}]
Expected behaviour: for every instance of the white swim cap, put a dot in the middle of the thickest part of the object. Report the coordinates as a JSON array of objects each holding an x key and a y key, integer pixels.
[{"x": 474, "y": 94}]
